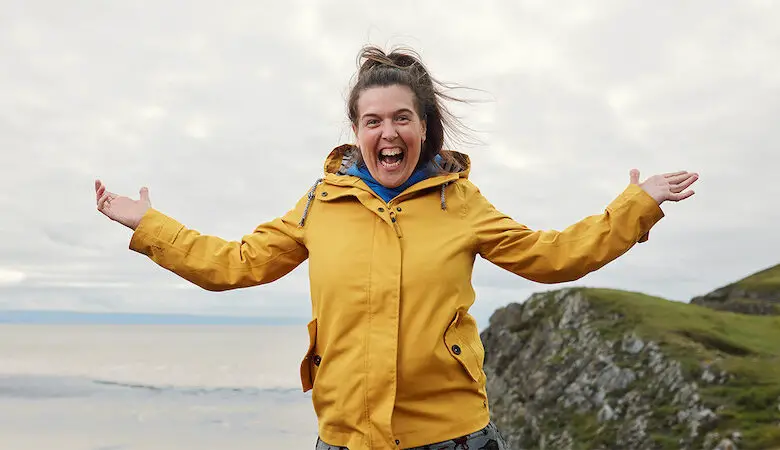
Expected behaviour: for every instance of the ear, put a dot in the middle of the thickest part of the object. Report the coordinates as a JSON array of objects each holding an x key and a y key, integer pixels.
[
  {"x": 355, "y": 129},
  {"x": 424, "y": 126}
]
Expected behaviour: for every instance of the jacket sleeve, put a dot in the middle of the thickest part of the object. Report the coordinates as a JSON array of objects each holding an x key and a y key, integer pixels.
[
  {"x": 271, "y": 251},
  {"x": 558, "y": 256}
]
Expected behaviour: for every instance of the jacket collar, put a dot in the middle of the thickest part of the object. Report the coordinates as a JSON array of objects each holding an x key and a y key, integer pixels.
[{"x": 343, "y": 156}]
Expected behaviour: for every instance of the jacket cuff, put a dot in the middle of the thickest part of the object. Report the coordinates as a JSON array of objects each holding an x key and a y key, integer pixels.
[
  {"x": 638, "y": 203},
  {"x": 155, "y": 228}
]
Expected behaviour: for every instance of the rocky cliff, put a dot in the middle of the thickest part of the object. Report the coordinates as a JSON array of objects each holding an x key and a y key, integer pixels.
[
  {"x": 606, "y": 369},
  {"x": 757, "y": 294}
]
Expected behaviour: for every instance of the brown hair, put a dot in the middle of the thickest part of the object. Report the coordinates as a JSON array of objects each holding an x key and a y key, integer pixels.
[{"x": 404, "y": 67}]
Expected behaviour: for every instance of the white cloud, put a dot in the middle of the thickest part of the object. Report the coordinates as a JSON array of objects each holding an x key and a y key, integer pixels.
[{"x": 11, "y": 277}]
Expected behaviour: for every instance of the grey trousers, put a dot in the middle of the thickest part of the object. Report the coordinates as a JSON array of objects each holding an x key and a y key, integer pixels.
[{"x": 487, "y": 438}]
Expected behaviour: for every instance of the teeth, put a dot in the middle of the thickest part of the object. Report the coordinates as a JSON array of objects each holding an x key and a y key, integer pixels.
[{"x": 391, "y": 152}]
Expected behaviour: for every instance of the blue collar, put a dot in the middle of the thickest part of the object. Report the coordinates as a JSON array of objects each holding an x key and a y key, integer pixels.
[{"x": 387, "y": 194}]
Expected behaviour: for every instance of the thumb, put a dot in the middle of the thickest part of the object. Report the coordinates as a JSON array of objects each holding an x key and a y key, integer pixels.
[
  {"x": 145, "y": 194},
  {"x": 634, "y": 175}
]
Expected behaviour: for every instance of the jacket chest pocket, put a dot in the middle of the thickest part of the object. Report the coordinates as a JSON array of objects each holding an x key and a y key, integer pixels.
[
  {"x": 464, "y": 344},
  {"x": 312, "y": 360}
]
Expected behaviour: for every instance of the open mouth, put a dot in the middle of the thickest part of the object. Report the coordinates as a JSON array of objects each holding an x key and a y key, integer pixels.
[{"x": 391, "y": 158}]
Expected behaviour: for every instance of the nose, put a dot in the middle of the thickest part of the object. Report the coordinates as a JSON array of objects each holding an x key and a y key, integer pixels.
[{"x": 388, "y": 130}]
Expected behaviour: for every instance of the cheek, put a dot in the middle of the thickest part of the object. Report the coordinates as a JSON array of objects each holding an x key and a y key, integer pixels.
[
  {"x": 366, "y": 143},
  {"x": 367, "y": 137},
  {"x": 413, "y": 139},
  {"x": 365, "y": 153}
]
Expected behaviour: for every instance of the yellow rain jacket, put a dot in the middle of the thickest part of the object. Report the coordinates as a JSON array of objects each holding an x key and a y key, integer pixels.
[{"x": 395, "y": 358}]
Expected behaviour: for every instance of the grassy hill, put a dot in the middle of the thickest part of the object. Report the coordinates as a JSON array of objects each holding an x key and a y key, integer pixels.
[
  {"x": 745, "y": 347},
  {"x": 590, "y": 368},
  {"x": 756, "y": 294},
  {"x": 764, "y": 281}
]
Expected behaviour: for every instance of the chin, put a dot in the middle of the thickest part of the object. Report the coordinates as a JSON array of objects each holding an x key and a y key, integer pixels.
[
  {"x": 392, "y": 180},
  {"x": 392, "y": 184}
]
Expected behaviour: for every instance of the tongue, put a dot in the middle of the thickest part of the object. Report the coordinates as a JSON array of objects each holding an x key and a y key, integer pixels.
[{"x": 391, "y": 159}]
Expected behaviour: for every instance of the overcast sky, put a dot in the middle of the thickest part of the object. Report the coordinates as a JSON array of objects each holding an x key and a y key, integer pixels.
[{"x": 226, "y": 111}]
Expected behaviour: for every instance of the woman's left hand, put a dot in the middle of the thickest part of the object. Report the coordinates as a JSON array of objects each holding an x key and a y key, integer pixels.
[{"x": 669, "y": 186}]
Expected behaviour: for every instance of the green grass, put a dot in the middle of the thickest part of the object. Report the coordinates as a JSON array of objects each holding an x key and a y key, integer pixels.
[
  {"x": 746, "y": 306},
  {"x": 767, "y": 279},
  {"x": 747, "y": 347}
]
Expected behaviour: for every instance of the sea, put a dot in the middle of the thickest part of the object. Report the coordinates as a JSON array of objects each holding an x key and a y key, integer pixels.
[{"x": 129, "y": 387}]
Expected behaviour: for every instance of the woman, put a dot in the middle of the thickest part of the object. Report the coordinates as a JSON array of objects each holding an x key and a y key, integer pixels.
[{"x": 391, "y": 232}]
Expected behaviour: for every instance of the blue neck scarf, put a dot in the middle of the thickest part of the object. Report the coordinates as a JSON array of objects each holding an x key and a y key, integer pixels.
[{"x": 387, "y": 194}]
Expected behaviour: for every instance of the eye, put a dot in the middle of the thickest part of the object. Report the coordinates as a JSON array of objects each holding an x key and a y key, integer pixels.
[
  {"x": 403, "y": 118},
  {"x": 371, "y": 122}
]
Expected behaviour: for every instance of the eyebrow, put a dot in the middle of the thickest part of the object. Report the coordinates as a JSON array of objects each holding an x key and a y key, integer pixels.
[{"x": 402, "y": 110}]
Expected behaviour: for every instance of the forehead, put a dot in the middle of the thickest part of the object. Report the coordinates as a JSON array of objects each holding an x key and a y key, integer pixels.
[{"x": 385, "y": 99}]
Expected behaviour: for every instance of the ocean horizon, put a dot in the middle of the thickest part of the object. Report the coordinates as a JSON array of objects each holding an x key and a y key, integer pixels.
[
  {"x": 128, "y": 387},
  {"x": 64, "y": 317}
]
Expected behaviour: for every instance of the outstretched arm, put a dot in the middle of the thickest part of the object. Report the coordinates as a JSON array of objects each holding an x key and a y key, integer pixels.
[
  {"x": 272, "y": 250},
  {"x": 558, "y": 256}
]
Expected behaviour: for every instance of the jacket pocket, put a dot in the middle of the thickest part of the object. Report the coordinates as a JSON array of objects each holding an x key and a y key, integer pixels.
[
  {"x": 311, "y": 360},
  {"x": 464, "y": 344}
]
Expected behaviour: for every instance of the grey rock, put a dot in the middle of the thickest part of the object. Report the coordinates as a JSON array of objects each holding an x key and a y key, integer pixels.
[
  {"x": 632, "y": 344},
  {"x": 606, "y": 413},
  {"x": 548, "y": 363},
  {"x": 706, "y": 415},
  {"x": 710, "y": 439},
  {"x": 726, "y": 444}
]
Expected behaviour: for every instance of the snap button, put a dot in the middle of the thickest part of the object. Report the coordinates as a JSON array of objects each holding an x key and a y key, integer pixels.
[
  {"x": 398, "y": 209},
  {"x": 381, "y": 209},
  {"x": 317, "y": 360},
  {"x": 456, "y": 349},
  {"x": 392, "y": 219},
  {"x": 324, "y": 194},
  {"x": 397, "y": 442}
]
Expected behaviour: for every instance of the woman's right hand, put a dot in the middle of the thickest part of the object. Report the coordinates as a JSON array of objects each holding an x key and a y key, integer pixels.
[{"x": 122, "y": 209}]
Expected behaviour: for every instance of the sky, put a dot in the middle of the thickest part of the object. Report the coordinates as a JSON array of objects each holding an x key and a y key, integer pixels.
[{"x": 226, "y": 111}]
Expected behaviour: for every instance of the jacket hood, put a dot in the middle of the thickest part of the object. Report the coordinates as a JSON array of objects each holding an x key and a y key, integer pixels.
[{"x": 342, "y": 157}]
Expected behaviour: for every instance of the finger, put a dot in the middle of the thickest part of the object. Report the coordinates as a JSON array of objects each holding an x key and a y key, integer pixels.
[
  {"x": 97, "y": 184},
  {"x": 681, "y": 196},
  {"x": 102, "y": 201},
  {"x": 144, "y": 194},
  {"x": 674, "y": 174},
  {"x": 99, "y": 192},
  {"x": 677, "y": 179},
  {"x": 107, "y": 197},
  {"x": 685, "y": 184},
  {"x": 634, "y": 176}
]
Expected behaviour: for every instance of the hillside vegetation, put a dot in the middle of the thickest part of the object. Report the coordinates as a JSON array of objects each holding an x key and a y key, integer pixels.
[{"x": 609, "y": 369}]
